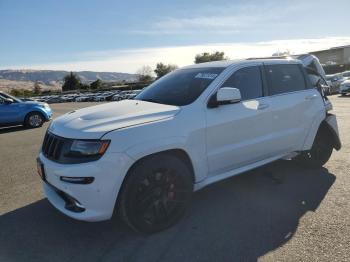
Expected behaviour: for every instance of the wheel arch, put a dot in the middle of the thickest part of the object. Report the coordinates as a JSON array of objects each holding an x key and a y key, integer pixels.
[
  {"x": 328, "y": 125},
  {"x": 31, "y": 112},
  {"x": 177, "y": 152}
]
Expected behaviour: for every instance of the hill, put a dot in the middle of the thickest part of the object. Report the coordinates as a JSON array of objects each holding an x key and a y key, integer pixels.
[{"x": 50, "y": 76}]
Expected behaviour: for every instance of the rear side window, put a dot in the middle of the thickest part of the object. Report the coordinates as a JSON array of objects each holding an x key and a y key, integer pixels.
[
  {"x": 248, "y": 81},
  {"x": 284, "y": 79}
]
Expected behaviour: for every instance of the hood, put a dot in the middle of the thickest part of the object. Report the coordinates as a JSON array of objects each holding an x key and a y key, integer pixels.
[
  {"x": 34, "y": 103},
  {"x": 93, "y": 122}
]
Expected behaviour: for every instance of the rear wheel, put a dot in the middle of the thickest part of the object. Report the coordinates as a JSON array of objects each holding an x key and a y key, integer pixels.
[
  {"x": 33, "y": 120},
  {"x": 156, "y": 193},
  {"x": 320, "y": 151}
]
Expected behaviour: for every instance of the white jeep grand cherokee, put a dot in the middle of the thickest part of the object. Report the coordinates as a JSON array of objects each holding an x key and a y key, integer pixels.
[{"x": 193, "y": 127}]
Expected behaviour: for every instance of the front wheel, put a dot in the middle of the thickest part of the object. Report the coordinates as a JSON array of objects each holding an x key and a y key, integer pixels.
[
  {"x": 319, "y": 153},
  {"x": 34, "y": 120},
  {"x": 156, "y": 193}
]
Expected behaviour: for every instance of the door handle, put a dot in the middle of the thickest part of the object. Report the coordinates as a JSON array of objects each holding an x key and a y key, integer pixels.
[
  {"x": 262, "y": 106},
  {"x": 311, "y": 97}
]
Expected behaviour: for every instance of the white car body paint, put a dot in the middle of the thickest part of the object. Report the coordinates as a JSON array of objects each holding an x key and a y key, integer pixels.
[{"x": 220, "y": 142}]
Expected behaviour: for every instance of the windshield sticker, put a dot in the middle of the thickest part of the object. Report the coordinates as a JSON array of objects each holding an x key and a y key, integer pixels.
[{"x": 206, "y": 75}]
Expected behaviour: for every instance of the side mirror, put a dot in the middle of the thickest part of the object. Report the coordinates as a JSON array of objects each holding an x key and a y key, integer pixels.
[
  {"x": 225, "y": 95},
  {"x": 8, "y": 101}
]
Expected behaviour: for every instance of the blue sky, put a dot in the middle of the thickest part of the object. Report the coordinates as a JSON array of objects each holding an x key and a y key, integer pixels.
[{"x": 119, "y": 35}]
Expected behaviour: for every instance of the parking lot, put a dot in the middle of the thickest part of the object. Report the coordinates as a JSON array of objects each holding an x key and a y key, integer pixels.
[{"x": 281, "y": 212}]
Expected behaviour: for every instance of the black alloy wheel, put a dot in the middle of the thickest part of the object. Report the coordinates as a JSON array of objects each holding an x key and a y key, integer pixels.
[{"x": 156, "y": 193}]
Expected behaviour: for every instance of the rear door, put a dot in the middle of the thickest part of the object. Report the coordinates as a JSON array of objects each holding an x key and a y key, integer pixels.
[{"x": 294, "y": 105}]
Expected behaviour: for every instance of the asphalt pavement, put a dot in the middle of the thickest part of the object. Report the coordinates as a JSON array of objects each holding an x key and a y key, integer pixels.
[{"x": 280, "y": 212}]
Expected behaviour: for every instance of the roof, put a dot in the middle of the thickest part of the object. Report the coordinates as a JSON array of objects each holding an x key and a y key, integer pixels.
[{"x": 227, "y": 63}]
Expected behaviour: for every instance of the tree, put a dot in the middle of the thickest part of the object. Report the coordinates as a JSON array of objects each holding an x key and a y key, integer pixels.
[
  {"x": 145, "y": 74},
  {"x": 83, "y": 86},
  {"x": 207, "y": 57},
  {"x": 71, "y": 82},
  {"x": 16, "y": 92},
  {"x": 37, "y": 88},
  {"x": 96, "y": 84},
  {"x": 163, "y": 69}
]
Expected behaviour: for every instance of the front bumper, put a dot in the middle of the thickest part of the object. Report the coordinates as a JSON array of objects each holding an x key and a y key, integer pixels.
[
  {"x": 47, "y": 112},
  {"x": 98, "y": 198}
]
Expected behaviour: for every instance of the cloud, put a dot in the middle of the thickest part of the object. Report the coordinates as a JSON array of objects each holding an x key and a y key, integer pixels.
[
  {"x": 229, "y": 18},
  {"x": 130, "y": 60}
]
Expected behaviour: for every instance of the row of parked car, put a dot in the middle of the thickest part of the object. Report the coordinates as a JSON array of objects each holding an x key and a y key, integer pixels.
[
  {"x": 339, "y": 83},
  {"x": 115, "y": 95}
]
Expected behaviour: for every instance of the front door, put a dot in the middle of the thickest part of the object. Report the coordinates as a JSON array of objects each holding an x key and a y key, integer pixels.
[
  {"x": 9, "y": 113},
  {"x": 239, "y": 134}
]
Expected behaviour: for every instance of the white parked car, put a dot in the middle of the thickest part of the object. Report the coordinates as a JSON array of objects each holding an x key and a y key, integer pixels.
[
  {"x": 191, "y": 128},
  {"x": 335, "y": 81},
  {"x": 345, "y": 87},
  {"x": 116, "y": 97},
  {"x": 346, "y": 74}
]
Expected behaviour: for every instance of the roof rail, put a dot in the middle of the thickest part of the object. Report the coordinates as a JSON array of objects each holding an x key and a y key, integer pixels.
[{"x": 268, "y": 57}]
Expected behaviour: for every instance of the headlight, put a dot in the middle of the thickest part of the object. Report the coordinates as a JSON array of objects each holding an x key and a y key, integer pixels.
[
  {"x": 45, "y": 105},
  {"x": 92, "y": 148}
]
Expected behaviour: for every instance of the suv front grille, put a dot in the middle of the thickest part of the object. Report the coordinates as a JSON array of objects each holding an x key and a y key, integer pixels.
[
  {"x": 53, "y": 146},
  {"x": 57, "y": 149}
]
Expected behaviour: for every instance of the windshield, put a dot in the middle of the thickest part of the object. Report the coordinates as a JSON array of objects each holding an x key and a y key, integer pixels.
[
  {"x": 4, "y": 95},
  {"x": 181, "y": 87}
]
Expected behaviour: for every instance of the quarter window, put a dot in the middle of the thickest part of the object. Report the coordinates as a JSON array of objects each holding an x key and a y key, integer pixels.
[
  {"x": 284, "y": 79},
  {"x": 248, "y": 81}
]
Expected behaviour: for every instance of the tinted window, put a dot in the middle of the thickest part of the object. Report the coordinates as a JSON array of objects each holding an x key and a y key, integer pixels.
[
  {"x": 248, "y": 81},
  {"x": 180, "y": 87},
  {"x": 15, "y": 99},
  {"x": 284, "y": 78}
]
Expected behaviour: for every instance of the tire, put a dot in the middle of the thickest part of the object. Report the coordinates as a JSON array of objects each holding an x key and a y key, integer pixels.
[
  {"x": 34, "y": 120},
  {"x": 156, "y": 193},
  {"x": 320, "y": 151}
]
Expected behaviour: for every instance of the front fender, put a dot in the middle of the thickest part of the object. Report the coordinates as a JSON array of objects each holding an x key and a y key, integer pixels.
[
  {"x": 154, "y": 146},
  {"x": 170, "y": 143}
]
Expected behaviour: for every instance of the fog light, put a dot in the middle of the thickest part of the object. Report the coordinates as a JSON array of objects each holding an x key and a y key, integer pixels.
[{"x": 77, "y": 180}]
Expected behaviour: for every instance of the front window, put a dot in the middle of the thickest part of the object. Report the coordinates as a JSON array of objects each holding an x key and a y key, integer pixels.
[
  {"x": 248, "y": 81},
  {"x": 15, "y": 99},
  {"x": 181, "y": 87}
]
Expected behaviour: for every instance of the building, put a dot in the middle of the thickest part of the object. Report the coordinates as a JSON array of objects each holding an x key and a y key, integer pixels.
[{"x": 334, "y": 56}]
